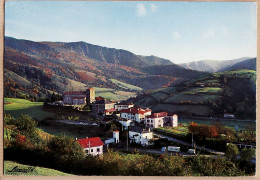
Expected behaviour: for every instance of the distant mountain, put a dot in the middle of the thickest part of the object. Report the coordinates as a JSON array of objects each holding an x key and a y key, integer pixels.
[
  {"x": 211, "y": 65},
  {"x": 99, "y": 53},
  {"x": 48, "y": 67},
  {"x": 247, "y": 64}
]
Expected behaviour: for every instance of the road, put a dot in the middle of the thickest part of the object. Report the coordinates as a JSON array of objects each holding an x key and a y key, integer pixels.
[{"x": 188, "y": 144}]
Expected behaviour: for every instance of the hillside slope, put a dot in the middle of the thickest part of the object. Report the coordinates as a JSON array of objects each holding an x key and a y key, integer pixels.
[
  {"x": 247, "y": 64},
  {"x": 224, "y": 92},
  {"x": 49, "y": 67},
  {"x": 211, "y": 65}
]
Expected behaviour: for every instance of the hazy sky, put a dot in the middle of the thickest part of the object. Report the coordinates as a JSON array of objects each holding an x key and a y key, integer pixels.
[{"x": 179, "y": 31}]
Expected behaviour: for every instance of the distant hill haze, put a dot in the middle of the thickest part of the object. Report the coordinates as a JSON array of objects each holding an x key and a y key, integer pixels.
[
  {"x": 246, "y": 64},
  {"x": 47, "y": 67},
  {"x": 213, "y": 65}
]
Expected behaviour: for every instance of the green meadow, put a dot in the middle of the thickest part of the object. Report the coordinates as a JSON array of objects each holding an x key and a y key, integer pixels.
[{"x": 16, "y": 107}]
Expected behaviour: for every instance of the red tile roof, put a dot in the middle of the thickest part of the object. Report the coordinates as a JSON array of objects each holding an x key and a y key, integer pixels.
[
  {"x": 110, "y": 110},
  {"x": 135, "y": 110},
  {"x": 75, "y": 93},
  {"x": 125, "y": 103},
  {"x": 157, "y": 115},
  {"x": 94, "y": 142},
  {"x": 99, "y": 98}
]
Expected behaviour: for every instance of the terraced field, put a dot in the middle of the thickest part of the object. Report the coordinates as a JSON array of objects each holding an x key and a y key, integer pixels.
[{"x": 125, "y": 85}]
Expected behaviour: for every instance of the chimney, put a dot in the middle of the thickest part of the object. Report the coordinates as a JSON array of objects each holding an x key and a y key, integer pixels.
[
  {"x": 76, "y": 139},
  {"x": 87, "y": 137},
  {"x": 157, "y": 115},
  {"x": 149, "y": 129}
]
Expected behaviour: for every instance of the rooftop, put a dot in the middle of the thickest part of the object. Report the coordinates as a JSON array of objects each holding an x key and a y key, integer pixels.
[
  {"x": 90, "y": 142},
  {"x": 135, "y": 110},
  {"x": 75, "y": 93}
]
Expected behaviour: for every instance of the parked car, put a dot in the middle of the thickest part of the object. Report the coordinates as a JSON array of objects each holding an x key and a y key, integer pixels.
[
  {"x": 191, "y": 151},
  {"x": 173, "y": 149}
]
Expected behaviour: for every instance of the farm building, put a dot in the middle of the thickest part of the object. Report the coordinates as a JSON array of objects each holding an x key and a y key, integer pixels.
[
  {"x": 135, "y": 113},
  {"x": 121, "y": 106},
  {"x": 93, "y": 146},
  {"x": 79, "y": 97},
  {"x": 161, "y": 119},
  {"x": 103, "y": 107},
  {"x": 140, "y": 136}
]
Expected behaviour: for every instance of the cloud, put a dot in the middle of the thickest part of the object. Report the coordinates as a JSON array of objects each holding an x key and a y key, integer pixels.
[
  {"x": 153, "y": 7},
  {"x": 176, "y": 35},
  {"x": 141, "y": 10},
  {"x": 224, "y": 31},
  {"x": 208, "y": 34},
  {"x": 215, "y": 32}
]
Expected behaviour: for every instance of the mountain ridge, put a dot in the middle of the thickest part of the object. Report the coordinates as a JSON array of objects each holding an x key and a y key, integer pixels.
[{"x": 212, "y": 65}]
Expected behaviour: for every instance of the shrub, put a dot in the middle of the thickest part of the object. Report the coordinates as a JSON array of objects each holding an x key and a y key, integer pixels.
[{"x": 232, "y": 151}]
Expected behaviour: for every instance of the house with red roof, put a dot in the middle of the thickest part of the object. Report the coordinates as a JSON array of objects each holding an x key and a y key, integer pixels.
[
  {"x": 93, "y": 146},
  {"x": 135, "y": 113},
  {"x": 161, "y": 119}
]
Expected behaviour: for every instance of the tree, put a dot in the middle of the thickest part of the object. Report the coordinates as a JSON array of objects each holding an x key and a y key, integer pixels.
[
  {"x": 65, "y": 149},
  {"x": 247, "y": 154},
  {"x": 193, "y": 127},
  {"x": 232, "y": 151},
  {"x": 26, "y": 126},
  {"x": 213, "y": 131}
]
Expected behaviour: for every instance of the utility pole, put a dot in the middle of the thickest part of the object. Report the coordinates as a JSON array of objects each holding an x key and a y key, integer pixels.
[
  {"x": 127, "y": 139},
  {"x": 192, "y": 139},
  {"x": 89, "y": 147}
]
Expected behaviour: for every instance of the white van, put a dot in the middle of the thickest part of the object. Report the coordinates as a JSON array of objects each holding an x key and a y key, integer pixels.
[
  {"x": 163, "y": 149},
  {"x": 173, "y": 149},
  {"x": 191, "y": 151}
]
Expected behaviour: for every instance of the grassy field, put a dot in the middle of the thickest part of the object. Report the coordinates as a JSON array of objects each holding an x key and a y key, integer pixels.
[
  {"x": 125, "y": 85},
  {"x": 74, "y": 131},
  {"x": 16, "y": 107},
  {"x": 195, "y": 109},
  {"x": 36, "y": 171},
  {"x": 229, "y": 123},
  {"x": 179, "y": 130},
  {"x": 112, "y": 94},
  {"x": 196, "y": 98},
  {"x": 159, "y": 96},
  {"x": 205, "y": 90}
]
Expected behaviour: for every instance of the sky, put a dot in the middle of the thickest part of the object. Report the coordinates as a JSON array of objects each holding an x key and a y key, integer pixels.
[{"x": 178, "y": 31}]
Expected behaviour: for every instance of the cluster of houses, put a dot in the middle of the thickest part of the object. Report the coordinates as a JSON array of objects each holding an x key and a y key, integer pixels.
[{"x": 129, "y": 115}]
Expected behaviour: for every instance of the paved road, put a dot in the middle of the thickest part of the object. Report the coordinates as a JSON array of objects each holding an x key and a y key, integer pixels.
[{"x": 188, "y": 144}]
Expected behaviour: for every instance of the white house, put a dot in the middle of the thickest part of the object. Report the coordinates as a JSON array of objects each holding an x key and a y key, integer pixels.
[
  {"x": 126, "y": 123},
  {"x": 140, "y": 136},
  {"x": 121, "y": 106},
  {"x": 161, "y": 119},
  {"x": 135, "y": 113},
  {"x": 114, "y": 139},
  {"x": 93, "y": 146}
]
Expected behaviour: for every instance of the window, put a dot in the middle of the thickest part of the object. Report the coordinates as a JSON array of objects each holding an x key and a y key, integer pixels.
[
  {"x": 98, "y": 150},
  {"x": 151, "y": 121},
  {"x": 151, "y": 125},
  {"x": 148, "y": 121},
  {"x": 87, "y": 151},
  {"x": 91, "y": 150}
]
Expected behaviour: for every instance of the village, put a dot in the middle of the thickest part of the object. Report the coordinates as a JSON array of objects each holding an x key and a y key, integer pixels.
[{"x": 138, "y": 122}]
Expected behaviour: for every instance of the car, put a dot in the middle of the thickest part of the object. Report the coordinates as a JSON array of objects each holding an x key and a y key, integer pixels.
[{"x": 191, "y": 151}]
